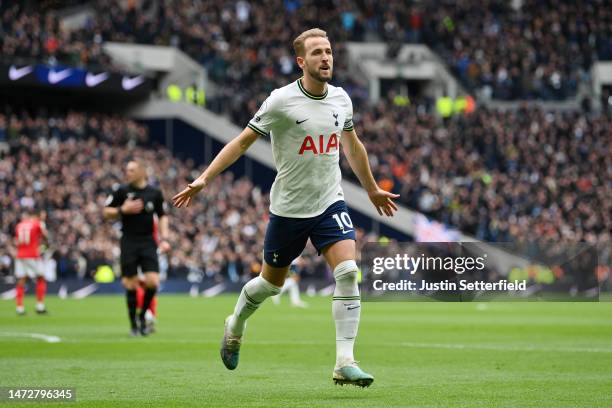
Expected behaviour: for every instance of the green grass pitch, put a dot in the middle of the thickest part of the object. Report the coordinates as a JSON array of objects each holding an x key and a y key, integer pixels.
[{"x": 421, "y": 354}]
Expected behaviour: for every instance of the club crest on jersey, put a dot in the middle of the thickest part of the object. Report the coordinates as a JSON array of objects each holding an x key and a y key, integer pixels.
[
  {"x": 309, "y": 144},
  {"x": 335, "y": 115}
]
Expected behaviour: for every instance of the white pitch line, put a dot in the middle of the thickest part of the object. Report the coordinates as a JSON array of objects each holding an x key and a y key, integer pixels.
[
  {"x": 495, "y": 347},
  {"x": 451, "y": 346},
  {"x": 37, "y": 336}
]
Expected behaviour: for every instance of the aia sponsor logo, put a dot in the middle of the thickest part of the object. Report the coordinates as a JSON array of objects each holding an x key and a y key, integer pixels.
[{"x": 310, "y": 145}]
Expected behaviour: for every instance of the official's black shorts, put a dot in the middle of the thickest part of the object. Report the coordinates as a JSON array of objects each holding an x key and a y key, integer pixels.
[{"x": 138, "y": 252}]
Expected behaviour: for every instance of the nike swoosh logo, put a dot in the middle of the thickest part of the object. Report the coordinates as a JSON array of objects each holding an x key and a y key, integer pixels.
[
  {"x": 128, "y": 83},
  {"x": 92, "y": 80},
  {"x": 346, "y": 232},
  {"x": 297, "y": 122},
  {"x": 351, "y": 308},
  {"x": 55, "y": 77},
  {"x": 16, "y": 73}
]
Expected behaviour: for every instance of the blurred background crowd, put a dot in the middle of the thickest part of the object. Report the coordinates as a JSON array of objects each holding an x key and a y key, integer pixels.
[
  {"x": 499, "y": 175},
  {"x": 540, "y": 50},
  {"x": 67, "y": 166}
]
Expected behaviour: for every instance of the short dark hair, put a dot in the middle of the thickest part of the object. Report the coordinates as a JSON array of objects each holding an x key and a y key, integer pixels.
[{"x": 300, "y": 40}]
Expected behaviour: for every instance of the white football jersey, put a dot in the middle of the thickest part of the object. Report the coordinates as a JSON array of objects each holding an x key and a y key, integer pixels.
[{"x": 305, "y": 132}]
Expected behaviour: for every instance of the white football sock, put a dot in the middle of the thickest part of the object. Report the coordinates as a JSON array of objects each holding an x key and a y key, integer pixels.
[
  {"x": 346, "y": 309},
  {"x": 252, "y": 295}
]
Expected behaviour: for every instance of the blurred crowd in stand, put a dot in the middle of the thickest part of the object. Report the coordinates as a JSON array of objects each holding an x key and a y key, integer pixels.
[{"x": 68, "y": 165}]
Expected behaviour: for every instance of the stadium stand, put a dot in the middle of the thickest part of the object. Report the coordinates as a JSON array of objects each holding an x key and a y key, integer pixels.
[
  {"x": 68, "y": 164},
  {"x": 542, "y": 50},
  {"x": 498, "y": 175},
  {"x": 30, "y": 31},
  {"x": 510, "y": 54}
]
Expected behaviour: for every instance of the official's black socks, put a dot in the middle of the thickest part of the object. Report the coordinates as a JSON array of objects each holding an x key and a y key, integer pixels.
[
  {"x": 130, "y": 296},
  {"x": 148, "y": 297}
]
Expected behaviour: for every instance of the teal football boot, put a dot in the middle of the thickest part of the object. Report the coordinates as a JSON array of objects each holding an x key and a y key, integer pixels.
[
  {"x": 230, "y": 347},
  {"x": 352, "y": 374}
]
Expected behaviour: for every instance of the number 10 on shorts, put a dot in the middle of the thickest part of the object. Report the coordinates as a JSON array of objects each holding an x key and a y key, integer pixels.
[{"x": 344, "y": 221}]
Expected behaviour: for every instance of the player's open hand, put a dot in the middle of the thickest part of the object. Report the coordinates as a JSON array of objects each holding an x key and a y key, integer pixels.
[
  {"x": 183, "y": 199},
  {"x": 383, "y": 202}
]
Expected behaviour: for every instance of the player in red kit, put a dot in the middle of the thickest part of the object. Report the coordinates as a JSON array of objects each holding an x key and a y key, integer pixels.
[{"x": 29, "y": 233}]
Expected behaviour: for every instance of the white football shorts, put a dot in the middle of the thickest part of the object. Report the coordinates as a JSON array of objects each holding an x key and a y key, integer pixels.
[{"x": 31, "y": 268}]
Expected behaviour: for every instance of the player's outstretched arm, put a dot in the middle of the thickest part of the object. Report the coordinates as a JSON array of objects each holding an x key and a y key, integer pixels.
[
  {"x": 357, "y": 157},
  {"x": 226, "y": 157}
]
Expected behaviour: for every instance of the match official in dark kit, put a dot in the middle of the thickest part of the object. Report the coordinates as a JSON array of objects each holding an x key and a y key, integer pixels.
[{"x": 137, "y": 204}]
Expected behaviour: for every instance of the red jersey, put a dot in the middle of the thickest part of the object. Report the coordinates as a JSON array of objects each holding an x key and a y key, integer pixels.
[{"x": 28, "y": 234}]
